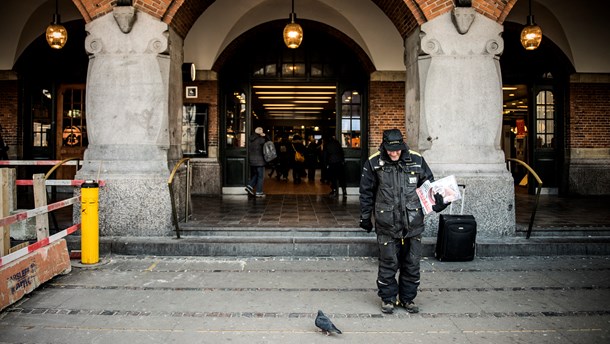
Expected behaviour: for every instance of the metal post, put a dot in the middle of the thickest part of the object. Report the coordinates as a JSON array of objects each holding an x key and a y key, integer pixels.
[
  {"x": 90, "y": 222},
  {"x": 187, "y": 198}
]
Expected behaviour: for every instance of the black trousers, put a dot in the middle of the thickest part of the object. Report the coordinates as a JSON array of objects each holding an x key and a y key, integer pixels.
[
  {"x": 336, "y": 171},
  {"x": 398, "y": 255}
]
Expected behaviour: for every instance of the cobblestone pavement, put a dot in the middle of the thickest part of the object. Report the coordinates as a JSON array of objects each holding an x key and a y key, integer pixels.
[{"x": 129, "y": 299}]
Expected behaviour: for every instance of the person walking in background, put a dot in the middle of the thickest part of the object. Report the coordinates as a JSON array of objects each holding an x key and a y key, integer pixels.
[
  {"x": 311, "y": 159},
  {"x": 388, "y": 186},
  {"x": 298, "y": 167},
  {"x": 3, "y": 147},
  {"x": 323, "y": 169},
  {"x": 334, "y": 160},
  {"x": 286, "y": 156},
  {"x": 275, "y": 164},
  {"x": 257, "y": 163}
]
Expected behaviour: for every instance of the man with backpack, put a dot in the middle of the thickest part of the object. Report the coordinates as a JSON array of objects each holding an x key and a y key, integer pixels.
[{"x": 257, "y": 163}]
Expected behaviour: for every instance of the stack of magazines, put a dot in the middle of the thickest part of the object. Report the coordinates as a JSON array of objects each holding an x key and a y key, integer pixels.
[{"x": 446, "y": 187}]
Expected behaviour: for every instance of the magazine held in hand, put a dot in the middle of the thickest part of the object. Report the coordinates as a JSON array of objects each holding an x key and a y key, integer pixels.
[{"x": 446, "y": 186}]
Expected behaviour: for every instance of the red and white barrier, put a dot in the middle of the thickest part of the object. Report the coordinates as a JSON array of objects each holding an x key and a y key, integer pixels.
[
  {"x": 37, "y": 162},
  {"x": 42, "y": 243},
  {"x": 56, "y": 182},
  {"x": 37, "y": 211}
]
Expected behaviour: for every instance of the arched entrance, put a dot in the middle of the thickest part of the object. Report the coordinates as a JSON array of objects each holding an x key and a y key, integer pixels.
[
  {"x": 315, "y": 90},
  {"x": 535, "y": 92}
]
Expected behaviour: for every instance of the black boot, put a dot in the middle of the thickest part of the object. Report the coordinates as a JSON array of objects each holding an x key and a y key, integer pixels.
[
  {"x": 344, "y": 192},
  {"x": 333, "y": 193}
]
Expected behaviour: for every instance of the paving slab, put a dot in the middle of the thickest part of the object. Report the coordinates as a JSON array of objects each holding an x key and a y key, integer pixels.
[{"x": 148, "y": 299}]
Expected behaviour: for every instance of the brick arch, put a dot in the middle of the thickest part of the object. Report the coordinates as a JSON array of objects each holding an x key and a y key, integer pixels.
[
  {"x": 251, "y": 34},
  {"x": 406, "y": 15},
  {"x": 178, "y": 14}
]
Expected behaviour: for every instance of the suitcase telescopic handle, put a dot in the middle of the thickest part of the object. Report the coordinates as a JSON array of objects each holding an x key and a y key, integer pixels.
[{"x": 463, "y": 199}]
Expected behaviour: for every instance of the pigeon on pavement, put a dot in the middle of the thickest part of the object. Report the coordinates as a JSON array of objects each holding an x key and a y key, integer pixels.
[{"x": 324, "y": 323}]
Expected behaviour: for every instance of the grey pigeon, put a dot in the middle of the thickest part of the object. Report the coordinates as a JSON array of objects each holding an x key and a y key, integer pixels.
[{"x": 324, "y": 323}]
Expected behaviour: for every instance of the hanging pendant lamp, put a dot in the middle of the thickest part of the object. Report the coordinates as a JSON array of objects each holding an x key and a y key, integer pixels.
[
  {"x": 293, "y": 32},
  {"x": 531, "y": 35},
  {"x": 57, "y": 35}
]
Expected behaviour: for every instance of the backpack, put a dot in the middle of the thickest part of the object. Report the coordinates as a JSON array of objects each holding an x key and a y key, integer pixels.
[{"x": 269, "y": 152}]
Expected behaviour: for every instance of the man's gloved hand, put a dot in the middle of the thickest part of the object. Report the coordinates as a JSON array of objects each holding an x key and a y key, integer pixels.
[
  {"x": 440, "y": 203},
  {"x": 366, "y": 224}
]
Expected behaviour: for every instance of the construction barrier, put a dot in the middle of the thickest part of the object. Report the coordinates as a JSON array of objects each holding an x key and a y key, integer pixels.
[
  {"x": 57, "y": 182},
  {"x": 37, "y": 211},
  {"x": 37, "y": 162},
  {"x": 23, "y": 275},
  {"x": 42, "y": 243},
  {"x": 23, "y": 268}
]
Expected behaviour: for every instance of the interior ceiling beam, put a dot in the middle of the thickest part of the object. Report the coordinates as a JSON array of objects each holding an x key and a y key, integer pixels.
[{"x": 286, "y": 101}]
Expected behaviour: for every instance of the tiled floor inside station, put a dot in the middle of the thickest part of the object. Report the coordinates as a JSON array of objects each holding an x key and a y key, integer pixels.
[{"x": 307, "y": 205}]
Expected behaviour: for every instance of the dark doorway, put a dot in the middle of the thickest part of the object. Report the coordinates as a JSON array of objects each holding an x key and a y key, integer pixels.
[
  {"x": 48, "y": 78},
  {"x": 535, "y": 91},
  {"x": 315, "y": 90}
]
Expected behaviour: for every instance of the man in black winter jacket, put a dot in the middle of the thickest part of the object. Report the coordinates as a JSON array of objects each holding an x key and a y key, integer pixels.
[
  {"x": 257, "y": 163},
  {"x": 387, "y": 193}
]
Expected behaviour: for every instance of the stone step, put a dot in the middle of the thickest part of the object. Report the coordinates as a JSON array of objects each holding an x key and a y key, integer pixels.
[
  {"x": 195, "y": 230},
  {"x": 565, "y": 231},
  {"x": 236, "y": 245}
]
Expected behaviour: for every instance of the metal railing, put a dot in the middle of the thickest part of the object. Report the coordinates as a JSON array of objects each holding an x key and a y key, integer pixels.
[
  {"x": 539, "y": 181},
  {"x": 187, "y": 197},
  {"x": 59, "y": 164}
]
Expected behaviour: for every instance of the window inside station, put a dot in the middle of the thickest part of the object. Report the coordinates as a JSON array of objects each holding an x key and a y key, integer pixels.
[
  {"x": 41, "y": 121},
  {"x": 194, "y": 130},
  {"x": 351, "y": 113},
  {"x": 74, "y": 130},
  {"x": 545, "y": 117},
  {"x": 41, "y": 134},
  {"x": 236, "y": 120}
]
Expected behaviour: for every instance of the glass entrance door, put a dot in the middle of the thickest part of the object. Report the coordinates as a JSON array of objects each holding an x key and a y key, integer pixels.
[
  {"x": 545, "y": 138},
  {"x": 233, "y": 137}
]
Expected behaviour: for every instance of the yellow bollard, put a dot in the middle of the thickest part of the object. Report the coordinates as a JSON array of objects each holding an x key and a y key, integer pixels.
[{"x": 89, "y": 242}]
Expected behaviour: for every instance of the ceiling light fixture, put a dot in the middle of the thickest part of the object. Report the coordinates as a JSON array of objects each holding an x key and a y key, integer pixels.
[
  {"x": 57, "y": 35},
  {"x": 293, "y": 32},
  {"x": 531, "y": 35}
]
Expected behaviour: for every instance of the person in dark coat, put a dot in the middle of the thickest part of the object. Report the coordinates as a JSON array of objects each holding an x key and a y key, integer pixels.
[
  {"x": 311, "y": 158},
  {"x": 3, "y": 147},
  {"x": 334, "y": 160},
  {"x": 257, "y": 163},
  {"x": 285, "y": 156},
  {"x": 298, "y": 167},
  {"x": 388, "y": 187}
]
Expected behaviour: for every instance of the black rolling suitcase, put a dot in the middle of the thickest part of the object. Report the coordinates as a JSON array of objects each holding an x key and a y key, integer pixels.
[{"x": 456, "y": 237}]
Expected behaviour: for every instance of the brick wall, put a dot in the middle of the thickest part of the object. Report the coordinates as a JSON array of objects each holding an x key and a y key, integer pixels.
[
  {"x": 589, "y": 116},
  {"x": 8, "y": 113},
  {"x": 386, "y": 109}
]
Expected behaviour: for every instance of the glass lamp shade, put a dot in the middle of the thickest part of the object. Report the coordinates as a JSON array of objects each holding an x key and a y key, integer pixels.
[
  {"x": 293, "y": 35},
  {"x": 531, "y": 36},
  {"x": 57, "y": 36}
]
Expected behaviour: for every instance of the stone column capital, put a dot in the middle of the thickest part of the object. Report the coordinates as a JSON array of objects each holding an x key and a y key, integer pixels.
[
  {"x": 148, "y": 35},
  {"x": 441, "y": 37}
]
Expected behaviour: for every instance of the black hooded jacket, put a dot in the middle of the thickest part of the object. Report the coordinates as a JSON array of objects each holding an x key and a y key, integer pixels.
[
  {"x": 387, "y": 191},
  {"x": 255, "y": 150}
]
